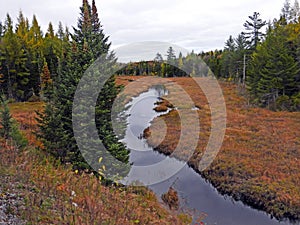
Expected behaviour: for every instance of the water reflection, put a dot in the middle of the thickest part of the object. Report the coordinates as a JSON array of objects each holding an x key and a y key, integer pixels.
[{"x": 194, "y": 191}]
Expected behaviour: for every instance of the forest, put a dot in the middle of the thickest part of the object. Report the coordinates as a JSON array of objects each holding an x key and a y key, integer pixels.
[
  {"x": 40, "y": 72},
  {"x": 32, "y": 62}
]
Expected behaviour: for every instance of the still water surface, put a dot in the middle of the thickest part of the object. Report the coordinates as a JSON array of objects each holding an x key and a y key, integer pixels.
[{"x": 194, "y": 192}]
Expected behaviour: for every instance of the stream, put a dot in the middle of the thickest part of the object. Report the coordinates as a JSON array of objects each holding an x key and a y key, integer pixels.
[{"x": 195, "y": 193}]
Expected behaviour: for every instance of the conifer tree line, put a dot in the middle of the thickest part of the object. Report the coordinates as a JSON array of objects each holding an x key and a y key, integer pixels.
[
  {"x": 172, "y": 67},
  {"x": 265, "y": 58},
  {"x": 168, "y": 66},
  {"x": 29, "y": 59}
]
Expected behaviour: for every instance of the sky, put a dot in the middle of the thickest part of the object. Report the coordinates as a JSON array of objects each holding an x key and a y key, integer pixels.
[{"x": 199, "y": 25}]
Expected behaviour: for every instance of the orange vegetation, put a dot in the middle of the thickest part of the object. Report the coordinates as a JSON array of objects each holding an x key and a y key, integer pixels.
[
  {"x": 54, "y": 194},
  {"x": 259, "y": 161}
]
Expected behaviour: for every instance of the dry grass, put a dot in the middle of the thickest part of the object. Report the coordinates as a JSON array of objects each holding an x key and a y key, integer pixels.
[
  {"x": 54, "y": 194},
  {"x": 259, "y": 159}
]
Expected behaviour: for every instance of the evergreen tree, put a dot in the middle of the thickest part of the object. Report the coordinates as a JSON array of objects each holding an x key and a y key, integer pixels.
[
  {"x": 295, "y": 12},
  {"x": 9, "y": 127},
  {"x": 88, "y": 43},
  {"x": 13, "y": 60},
  {"x": 46, "y": 83},
  {"x": 240, "y": 58},
  {"x": 290, "y": 13},
  {"x": 228, "y": 64},
  {"x": 158, "y": 58},
  {"x": 171, "y": 54},
  {"x": 35, "y": 55},
  {"x": 286, "y": 11},
  {"x": 171, "y": 59},
  {"x": 273, "y": 69},
  {"x": 230, "y": 44},
  {"x": 22, "y": 27},
  {"x": 253, "y": 27},
  {"x": 6, "y": 119},
  {"x": 52, "y": 51}
]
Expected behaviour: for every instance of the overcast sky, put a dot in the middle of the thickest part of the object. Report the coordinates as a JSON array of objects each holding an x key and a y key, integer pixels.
[{"x": 193, "y": 24}]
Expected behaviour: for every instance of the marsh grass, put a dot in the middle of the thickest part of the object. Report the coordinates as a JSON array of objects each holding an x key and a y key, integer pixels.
[
  {"x": 259, "y": 162},
  {"x": 55, "y": 194}
]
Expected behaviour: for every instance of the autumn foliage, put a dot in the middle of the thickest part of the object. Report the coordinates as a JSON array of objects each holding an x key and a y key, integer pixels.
[
  {"x": 53, "y": 193},
  {"x": 259, "y": 159}
]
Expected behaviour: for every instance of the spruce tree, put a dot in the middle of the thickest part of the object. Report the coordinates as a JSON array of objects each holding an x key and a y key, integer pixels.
[
  {"x": 273, "y": 69},
  {"x": 228, "y": 67},
  {"x": 87, "y": 44},
  {"x": 171, "y": 58}
]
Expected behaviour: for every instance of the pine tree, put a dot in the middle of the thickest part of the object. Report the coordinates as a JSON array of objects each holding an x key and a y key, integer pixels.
[
  {"x": 273, "y": 69},
  {"x": 171, "y": 54},
  {"x": 88, "y": 43},
  {"x": 35, "y": 55},
  {"x": 171, "y": 59},
  {"x": 158, "y": 58},
  {"x": 46, "y": 83},
  {"x": 290, "y": 13},
  {"x": 99, "y": 42},
  {"x": 13, "y": 60},
  {"x": 253, "y": 27},
  {"x": 295, "y": 12},
  {"x": 52, "y": 51},
  {"x": 240, "y": 57},
  {"x": 22, "y": 27},
  {"x": 6, "y": 119},
  {"x": 286, "y": 11},
  {"x": 228, "y": 64}
]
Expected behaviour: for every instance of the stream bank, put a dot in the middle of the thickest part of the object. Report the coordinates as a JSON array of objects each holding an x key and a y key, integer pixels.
[{"x": 194, "y": 191}]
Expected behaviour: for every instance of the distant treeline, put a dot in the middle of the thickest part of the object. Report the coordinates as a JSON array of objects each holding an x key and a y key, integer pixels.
[
  {"x": 264, "y": 58},
  {"x": 152, "y": 68},
  {"x": 181, "y": 66}
]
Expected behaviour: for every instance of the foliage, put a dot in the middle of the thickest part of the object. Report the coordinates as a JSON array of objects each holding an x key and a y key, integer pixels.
[
  {"x": 266, "y": 64},
  {"x": 253, "y": 27},
  {"x": 52, "y": 193},
  {"x": 23, "y": 53},
  {"x": 259, "y": 159},
  {"x": 10, "y": 129},
  {"x": 273, "y": 69},
  {"x": 88, "y": 44}
]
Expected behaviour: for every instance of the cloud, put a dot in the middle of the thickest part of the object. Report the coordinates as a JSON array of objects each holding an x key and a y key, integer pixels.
[{"x": 195, "y": 24}]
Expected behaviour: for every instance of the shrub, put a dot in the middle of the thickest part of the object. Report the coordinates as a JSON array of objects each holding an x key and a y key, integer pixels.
[{"x": 10, "y": 129}]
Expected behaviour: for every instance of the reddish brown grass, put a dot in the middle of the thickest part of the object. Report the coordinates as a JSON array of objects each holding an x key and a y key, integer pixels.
[
  {"x": 259, "y": 159},
  {"x": 54, "y": 194}
]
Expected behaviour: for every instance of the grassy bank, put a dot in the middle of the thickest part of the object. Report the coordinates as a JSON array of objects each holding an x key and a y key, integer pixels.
[
  {"x": 259, "y": 159},
  {"x": 52, "y": 193}
]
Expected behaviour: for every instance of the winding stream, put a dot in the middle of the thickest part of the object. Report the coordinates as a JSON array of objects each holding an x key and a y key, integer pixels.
[{"x": 194, "y": 192}]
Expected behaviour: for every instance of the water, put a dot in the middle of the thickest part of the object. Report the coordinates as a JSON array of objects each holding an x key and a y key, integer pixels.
[{"x": 195, "y": 193}]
